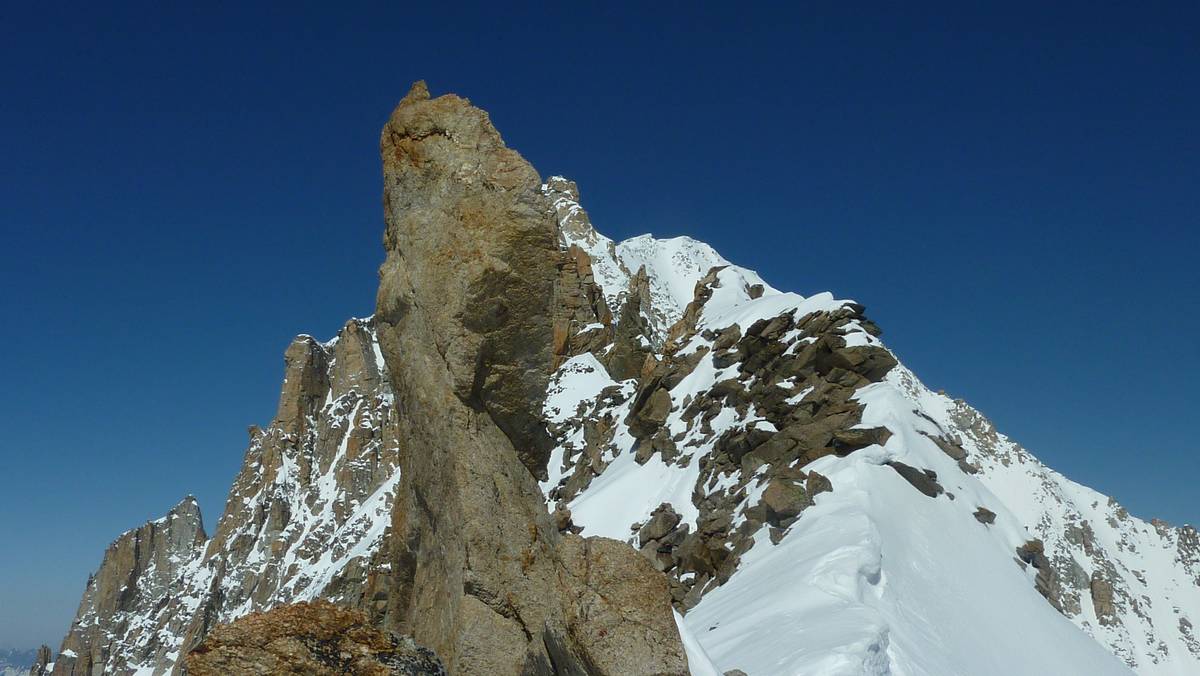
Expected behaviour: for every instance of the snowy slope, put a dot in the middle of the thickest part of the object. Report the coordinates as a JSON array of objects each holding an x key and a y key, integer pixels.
[{"x": 874, "y": 577}]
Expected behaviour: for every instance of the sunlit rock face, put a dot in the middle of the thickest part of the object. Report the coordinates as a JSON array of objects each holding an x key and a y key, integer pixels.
[{"x": 552, "y": 453}]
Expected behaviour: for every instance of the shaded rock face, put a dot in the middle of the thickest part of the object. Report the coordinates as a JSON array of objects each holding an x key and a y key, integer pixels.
[
  {"x": 465, "y": 309},
  {"x": 922, "y": 480},
  {"x": 315, "y": 638}
]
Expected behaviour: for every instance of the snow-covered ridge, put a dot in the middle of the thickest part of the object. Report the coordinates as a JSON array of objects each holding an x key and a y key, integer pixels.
[
  {"x": 875, "y": 576},
  {"x": 672, "y": 266}
]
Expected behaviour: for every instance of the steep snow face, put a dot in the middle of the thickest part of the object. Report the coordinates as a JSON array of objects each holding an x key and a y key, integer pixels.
[
  {"x": 979, "y": 560},
  {"x": 1134, "y": 586},
  {"x": 673, "y": 266},
  {"x": 304, "y": 519}
]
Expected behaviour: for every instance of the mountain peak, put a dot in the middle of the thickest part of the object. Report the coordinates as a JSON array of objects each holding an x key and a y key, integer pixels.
[{"x": 549, "y": 452}]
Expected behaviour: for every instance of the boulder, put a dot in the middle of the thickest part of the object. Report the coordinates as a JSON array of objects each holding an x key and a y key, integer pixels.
[
  {"x": 784, "y": 500},
  {"x": 316, "y": 638},
  {"x": 922, "y": 480},
  {"x": 662, "y": 521},
  {"x": 1102, "y": 599},
  {"x": 985, "y": 516}
]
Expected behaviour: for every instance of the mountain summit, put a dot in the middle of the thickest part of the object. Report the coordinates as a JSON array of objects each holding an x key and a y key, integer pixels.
[{"x": 552, "y": 453}]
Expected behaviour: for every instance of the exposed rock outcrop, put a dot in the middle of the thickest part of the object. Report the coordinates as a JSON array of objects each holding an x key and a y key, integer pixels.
[
  {"x": 315, "y": 638},
  {"x": 42, "y": 663},
  {"x": 465, "y": 310},
  {"x": 727, "y": 432}
]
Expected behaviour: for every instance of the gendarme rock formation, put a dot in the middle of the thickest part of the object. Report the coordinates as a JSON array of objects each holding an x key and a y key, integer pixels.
[
  {"x": 551, "y": 453},
  {"x": 466, "y": 298}
]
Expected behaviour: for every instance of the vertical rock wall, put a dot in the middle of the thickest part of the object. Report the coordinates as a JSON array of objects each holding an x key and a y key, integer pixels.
[{"x": 465, "y": 311}]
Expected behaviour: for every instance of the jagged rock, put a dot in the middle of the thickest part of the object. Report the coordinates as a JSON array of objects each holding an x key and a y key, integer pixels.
[
  {"x": 922, "y": 480},
  {"x": 817, "y": 483},
  {"x": 582, "y": 319},
  {"x": 1102, "y": 599},
  {"x": 849, "y": 440},
  {"x": 784, "y": 500},
  {"x": 631, "y": 345},
  {"x": 1033, "y": 552},
  {"x": 464, "y": 310},
  {"x": 562, "y": 520},
  {"x": 649, "y": 411},
  {"x": 662, "y": 521},
  {"x": 137, "y": 572},
  {"x": 309, "y": 638},
  {"x": 316, "y": 483},
  {"x": 42, "y": 662},
  {"x": 985, "y": 516}
]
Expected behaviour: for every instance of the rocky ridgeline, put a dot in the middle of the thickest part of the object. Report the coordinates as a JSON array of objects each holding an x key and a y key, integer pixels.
[
  {"x": 434, "y": 474},
  {"x": 305, "y": 517},
  {"x": 737, "y": 408},
  {"x": 389, "y": 443},
  {"x": 780, "y": 397}
]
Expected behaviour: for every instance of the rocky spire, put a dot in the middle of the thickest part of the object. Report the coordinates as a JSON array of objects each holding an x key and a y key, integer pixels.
[
  {"x": 465, "y": 309},
  {"x": 138, "y": 569}
]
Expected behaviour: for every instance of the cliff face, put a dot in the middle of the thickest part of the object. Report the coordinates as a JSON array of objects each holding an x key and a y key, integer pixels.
[
  {"x": 305, "y": 517},
  {"x": 543, "y": 440},
  {"x": 464, "y": 308},
  {"x": 136, "y": 575},
  {"x": 399, "y": 474}
]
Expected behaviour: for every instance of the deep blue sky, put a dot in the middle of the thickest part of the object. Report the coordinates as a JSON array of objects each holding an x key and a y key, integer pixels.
[{"x": 1014, "y": 193}]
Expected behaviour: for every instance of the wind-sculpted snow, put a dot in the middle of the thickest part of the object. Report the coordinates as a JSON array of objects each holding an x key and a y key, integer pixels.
[{"x": 874, "y": 576}]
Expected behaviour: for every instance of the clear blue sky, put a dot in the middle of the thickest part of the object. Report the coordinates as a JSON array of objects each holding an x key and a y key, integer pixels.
[{"x": 1013, "y": 192}]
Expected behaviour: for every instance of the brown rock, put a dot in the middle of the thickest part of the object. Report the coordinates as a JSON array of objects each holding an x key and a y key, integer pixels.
[
  {"x": 784, "y": 500},
  {"x": 922, "y": 480},
  {"x": 817, "y": 483},
  {"x": 985, "y": 516},
  {"x": 41, "y": 662},
  {"x": 662, "y": 521},
  {"x": 315, "y": 638},
  {"x": 1102, "y": 599},
  {"x": 464, "y": 309}
]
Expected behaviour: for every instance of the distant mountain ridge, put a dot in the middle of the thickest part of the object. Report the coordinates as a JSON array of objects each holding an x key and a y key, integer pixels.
[
  {"x": 758, "y": 461},
  {"x": 14, "y": 662}
]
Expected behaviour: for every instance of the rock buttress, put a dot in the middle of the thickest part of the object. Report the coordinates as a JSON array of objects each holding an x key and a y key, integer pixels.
[{"x": 465, "y": 324}]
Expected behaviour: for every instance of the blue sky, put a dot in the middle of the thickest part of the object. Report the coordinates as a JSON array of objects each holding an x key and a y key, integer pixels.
[{"x": 1012, "y": 192}]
